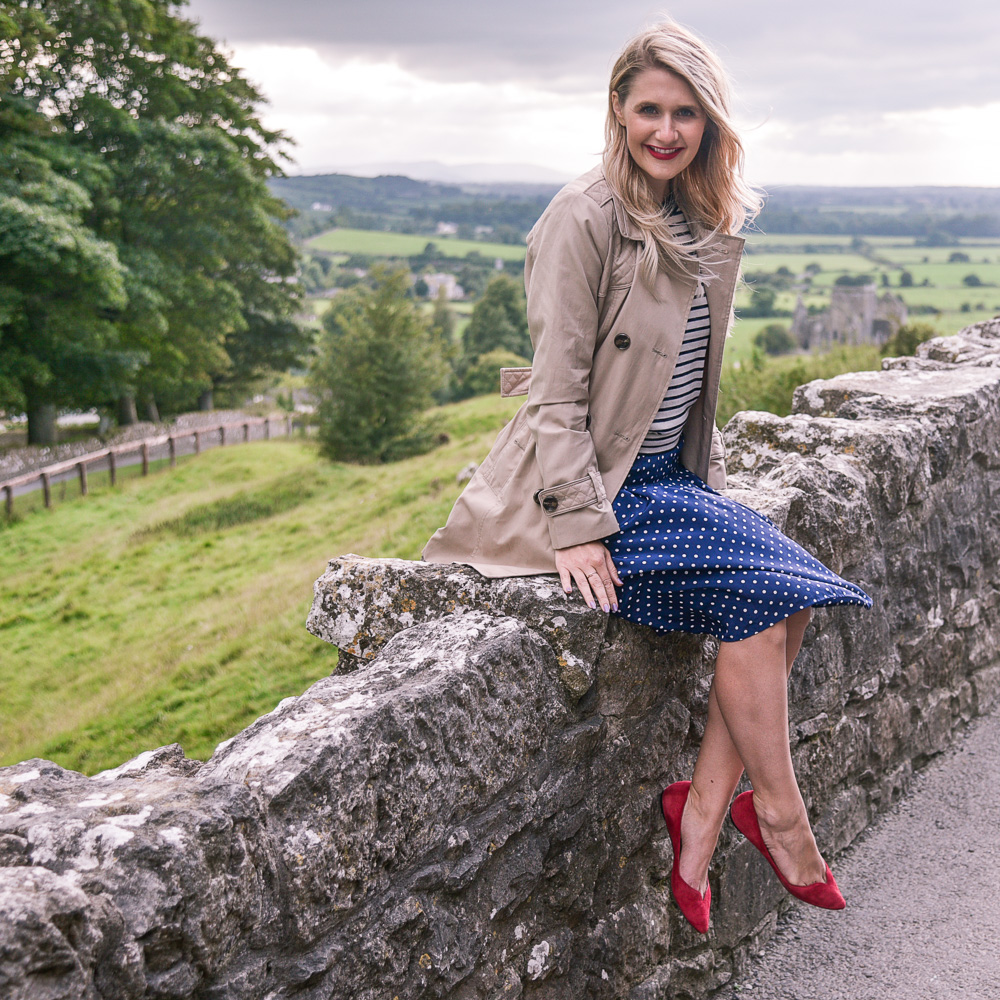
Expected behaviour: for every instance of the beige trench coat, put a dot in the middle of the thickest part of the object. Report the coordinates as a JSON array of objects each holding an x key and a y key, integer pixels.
[{"x": 605, "y": 348}]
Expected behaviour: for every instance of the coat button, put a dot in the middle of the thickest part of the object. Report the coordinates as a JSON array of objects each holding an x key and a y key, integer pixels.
[
  {"x": 550, "y": 504},
  {"x": 623, "y": 341}
]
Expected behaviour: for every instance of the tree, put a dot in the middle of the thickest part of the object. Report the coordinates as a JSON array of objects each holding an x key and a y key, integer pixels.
[
  {"x": 175, "y": 170},
  {"x": 907, "y": 338},
  {"x": 958, "y": 257},
  {"x": 761, "y": 303},
  {"x": 972, "y": 280},
  {"x": 376, "y": 369},
  {"x": 775, "y": 339},
  {"x": 905, "y": 279},
  {"x": 61, "y": 286},
  {"x": 499, "y": 321}
]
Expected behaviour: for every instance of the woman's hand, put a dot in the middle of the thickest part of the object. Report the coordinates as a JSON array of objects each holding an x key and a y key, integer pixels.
[{"x": 590, "y": 565}]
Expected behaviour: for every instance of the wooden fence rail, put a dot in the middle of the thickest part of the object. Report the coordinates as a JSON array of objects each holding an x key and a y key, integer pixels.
[{"x": 111, "y": 455}]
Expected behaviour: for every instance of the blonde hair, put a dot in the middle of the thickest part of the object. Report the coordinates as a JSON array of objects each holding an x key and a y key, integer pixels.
[{"x": 711, "y": 190}]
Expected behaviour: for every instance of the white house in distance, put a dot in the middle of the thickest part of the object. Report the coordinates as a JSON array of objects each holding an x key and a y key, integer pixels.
[
  {"x": 446, "y": 229},
  {"x": 452, "y": 289}
]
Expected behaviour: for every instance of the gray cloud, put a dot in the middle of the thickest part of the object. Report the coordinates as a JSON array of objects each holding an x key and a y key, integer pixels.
[{"x": 790, "y": 58}]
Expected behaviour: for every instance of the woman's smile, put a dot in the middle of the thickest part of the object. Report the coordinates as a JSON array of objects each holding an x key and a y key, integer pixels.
[{"x": 665, "y": 154}]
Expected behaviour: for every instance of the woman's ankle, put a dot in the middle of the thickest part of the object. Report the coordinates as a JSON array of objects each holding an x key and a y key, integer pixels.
[
  {"x": 708, "y": 809},
  {"x": 781, "y": 816}
]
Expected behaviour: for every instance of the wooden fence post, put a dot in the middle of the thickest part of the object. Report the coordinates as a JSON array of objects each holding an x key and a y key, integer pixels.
[
  {"x": 267, "y": 428},
  {"x": 173, "y": 450},
  {"x": 46, "y": 489},
  {"x": 288, "y": 425},
  {"x": 9, "y": 501},
  {"x": 113, "y": 467},
  {"x": 197, "y": 442},
  {"x": 222, "y": 436},
  {"x": 246, "y": 433},
  {"x": 81, "y": 469},
  {"x": 145, "y": 459}
]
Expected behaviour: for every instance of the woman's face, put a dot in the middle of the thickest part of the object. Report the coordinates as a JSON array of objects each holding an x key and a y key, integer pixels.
[{"x": 664, "y": 124}]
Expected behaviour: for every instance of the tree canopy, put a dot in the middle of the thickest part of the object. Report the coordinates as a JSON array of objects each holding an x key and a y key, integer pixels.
[{"x": 141, "y": 252}]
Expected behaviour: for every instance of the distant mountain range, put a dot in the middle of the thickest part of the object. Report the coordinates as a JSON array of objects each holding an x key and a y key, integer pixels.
[{"x": 465, "y": 173}]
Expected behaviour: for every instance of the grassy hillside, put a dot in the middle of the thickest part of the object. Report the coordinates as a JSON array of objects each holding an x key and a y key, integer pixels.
[{"x": 172, "y": 609}]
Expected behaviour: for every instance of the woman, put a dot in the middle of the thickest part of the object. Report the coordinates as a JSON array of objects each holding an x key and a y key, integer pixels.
[{"x": 609, "y": 474}]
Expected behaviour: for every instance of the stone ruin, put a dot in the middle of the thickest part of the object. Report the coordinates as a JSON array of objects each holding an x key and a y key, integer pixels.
[
  {"x": 857, "y": 315},
  {"x": 468, "y": 806}
]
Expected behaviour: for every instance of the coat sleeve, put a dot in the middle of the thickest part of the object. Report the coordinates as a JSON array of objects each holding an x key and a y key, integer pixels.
[
  {"x": 566, "y": 254},
  {"x": 717, "y": 462}
]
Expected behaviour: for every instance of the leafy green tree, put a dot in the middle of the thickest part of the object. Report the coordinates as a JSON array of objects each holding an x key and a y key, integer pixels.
[
  {"x": 499, "y": 321},
  {"x": 905, "y": 279},
  {"x": 972, "y": 281},
  {"x": 376, "y": 369},
  {"x": 61, "y": 286},
  {"x": 775, "y": 339},
  {"x": 181, "y": 190},
  {"x": 907, "y": 338}
]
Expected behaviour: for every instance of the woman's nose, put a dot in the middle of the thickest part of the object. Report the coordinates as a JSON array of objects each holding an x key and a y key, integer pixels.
[{"x": 667, "y": 130}]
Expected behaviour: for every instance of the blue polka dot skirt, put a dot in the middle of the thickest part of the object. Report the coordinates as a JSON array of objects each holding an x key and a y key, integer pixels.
[{"x": 693, "y": 560}]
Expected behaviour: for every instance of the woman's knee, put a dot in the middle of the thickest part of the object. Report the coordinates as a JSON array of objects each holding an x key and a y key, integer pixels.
[{"x": 771, "y": 638}]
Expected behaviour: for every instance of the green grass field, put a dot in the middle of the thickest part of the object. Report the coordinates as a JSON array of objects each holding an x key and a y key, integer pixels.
[
  {"x": 172, "y": 608},
  {"x": 405, "y": 245}
]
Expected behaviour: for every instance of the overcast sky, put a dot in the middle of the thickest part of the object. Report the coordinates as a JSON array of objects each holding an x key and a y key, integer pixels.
[{"x": 861, "y": 92}]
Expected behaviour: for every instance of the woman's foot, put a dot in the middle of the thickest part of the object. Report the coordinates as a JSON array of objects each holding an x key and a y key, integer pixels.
[
  {"x": 694, "y": 904},
  {"x": 700, "y": 827},
  {"x": 790, "y": 841},
  {"x": 823, "y": 891}
]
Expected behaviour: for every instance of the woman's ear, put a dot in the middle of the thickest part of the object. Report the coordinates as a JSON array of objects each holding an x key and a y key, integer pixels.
[{"x": 617, "y": 107}]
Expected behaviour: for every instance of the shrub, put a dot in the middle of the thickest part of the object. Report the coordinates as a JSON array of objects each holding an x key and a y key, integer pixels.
[
  {"x": 770, "y": 384},
  {"x": 907, "y": 338},
  {"x": 376, "y": 369},
  {"x": 775, "y": 339}
]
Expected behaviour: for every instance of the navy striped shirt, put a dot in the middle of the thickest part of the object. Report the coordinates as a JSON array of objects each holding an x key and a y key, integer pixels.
[{"x": 685, "y": 385}]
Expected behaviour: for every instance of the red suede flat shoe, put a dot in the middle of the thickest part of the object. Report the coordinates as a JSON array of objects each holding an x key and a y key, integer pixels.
[
  {"x": 692, "y": 904},
  {"x": 823, "y": 894}
]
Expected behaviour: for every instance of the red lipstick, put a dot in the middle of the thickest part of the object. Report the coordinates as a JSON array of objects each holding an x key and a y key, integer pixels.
[{"x": 675, "y": 151}]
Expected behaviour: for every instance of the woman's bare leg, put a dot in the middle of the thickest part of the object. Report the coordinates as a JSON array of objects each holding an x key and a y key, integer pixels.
[
  {"x": 752, "y": 692},
  {"x": 718, "y": 771}
]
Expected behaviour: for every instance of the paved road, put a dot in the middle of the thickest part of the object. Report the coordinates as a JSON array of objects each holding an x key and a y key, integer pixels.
[{"x": 923, "y": 898}]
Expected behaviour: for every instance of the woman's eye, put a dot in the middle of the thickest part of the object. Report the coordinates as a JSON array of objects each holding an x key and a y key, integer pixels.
[
  {"x": 687, "y": 112},
  {"x": 648, "y": 109}
]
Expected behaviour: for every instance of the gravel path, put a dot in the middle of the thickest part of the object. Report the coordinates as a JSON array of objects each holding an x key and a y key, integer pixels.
[{"x": 923, "y": 897}]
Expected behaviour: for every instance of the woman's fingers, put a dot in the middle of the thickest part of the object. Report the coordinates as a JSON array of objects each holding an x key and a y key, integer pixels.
[
  {"x": 590, "y": 567},
  {"x": 583, "y": 583},
  {"x": 600, "y": 584},
  {"x": 612, "y": 569}
]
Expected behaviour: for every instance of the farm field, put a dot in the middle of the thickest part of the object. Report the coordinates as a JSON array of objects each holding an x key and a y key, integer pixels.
[
  {"x": 954, "y": 303},
  {"x": 405, "y": 245}
]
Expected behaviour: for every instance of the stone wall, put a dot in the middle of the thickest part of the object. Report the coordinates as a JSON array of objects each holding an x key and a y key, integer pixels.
[{"x": 468, "y": 807}]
